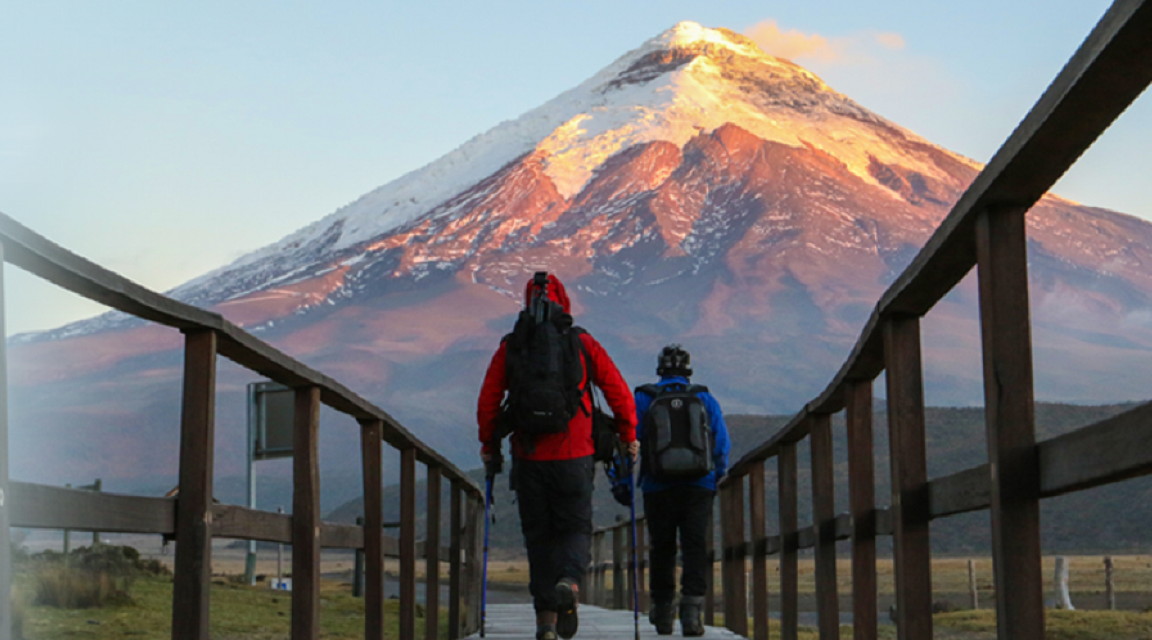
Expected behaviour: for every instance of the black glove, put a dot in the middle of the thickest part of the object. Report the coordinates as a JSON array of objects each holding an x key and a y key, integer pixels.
[{"x": 494, "y": 466}]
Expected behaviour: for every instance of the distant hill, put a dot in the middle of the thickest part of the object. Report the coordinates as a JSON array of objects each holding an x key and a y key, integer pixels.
[{"x": 1097, "y": 520}]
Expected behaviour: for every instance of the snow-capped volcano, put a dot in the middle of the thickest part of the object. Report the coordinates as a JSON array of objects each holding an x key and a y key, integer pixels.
[
  {"x": 696, "y": 191},
  {"x": 685, "y": 81}
]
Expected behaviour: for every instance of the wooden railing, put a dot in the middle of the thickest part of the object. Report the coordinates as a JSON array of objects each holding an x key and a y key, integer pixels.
[
  {"x": 193, "y": 520},
  {"x": 985, "y": 229}
]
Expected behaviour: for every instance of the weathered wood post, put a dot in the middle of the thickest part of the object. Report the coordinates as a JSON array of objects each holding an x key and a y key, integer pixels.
[
  {"x": 973, "y": 594},
  {"x": 642, "y": 562},
  {"x": 306, "y": 515},
  {"x": 1109, "y": 588},
  {"x": 432, "y": 556},
  {"x": 736, "y": 596},
  {"x": 910, "y": 508},
  {"x": 824, "y": 516},
  {"x": 710, "y": 575},
  {"x": 193, "y": 571},
  {"x": 1006, "y": 333},
  {"x": 619, "y": 552},
  {"x": 5, "y": 535},
  {"x": 407, "y": 613},
  {"x": 862, "y": 500},
  {"x": 372, "y": 460},
  {"x": 1061, "y": 579},
  {"x": 455, "y": 523},
  {"x": 756, "y": 507},
  {"x": 789, "y": 543}
]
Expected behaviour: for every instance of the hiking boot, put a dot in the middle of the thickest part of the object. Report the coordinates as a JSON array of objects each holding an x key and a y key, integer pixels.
[
  {"x": 663, "y": 617},
  {"x": 690, "y": 611},
  {"x": 546, "y": 632},
  {"x": 568, "y": 594}
]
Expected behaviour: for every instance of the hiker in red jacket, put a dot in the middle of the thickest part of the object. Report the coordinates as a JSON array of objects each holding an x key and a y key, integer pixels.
[{"x": 545, "y": 366}]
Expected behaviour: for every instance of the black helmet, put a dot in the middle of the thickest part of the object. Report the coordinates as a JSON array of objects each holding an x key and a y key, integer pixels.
[{"x": 674, "y": 361}]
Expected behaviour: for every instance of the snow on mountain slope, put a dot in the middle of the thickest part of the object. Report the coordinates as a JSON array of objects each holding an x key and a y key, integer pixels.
[{"x": 685, "y": 81}]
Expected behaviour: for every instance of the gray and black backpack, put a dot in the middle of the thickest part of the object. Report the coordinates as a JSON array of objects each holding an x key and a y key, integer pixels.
[{"x": 677, "y": 442}]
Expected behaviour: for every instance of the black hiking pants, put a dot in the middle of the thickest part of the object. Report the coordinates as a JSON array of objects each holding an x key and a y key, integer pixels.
[
  {"x": 687, "y": 510},
  {"x": 555, "y": 498}
]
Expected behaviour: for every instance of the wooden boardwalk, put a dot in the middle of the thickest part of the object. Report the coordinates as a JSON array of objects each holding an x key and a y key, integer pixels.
[{"x": 518, "y": 622}]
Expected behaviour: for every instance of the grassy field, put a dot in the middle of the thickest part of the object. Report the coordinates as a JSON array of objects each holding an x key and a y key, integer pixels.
[{"x": 237, "y": 613}]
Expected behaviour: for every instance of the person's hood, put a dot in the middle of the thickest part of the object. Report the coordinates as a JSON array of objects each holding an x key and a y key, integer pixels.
[{"x": 556, "y": 293}]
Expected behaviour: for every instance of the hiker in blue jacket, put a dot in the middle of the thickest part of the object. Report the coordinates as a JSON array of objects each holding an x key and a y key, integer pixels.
[{"x": 683, "y": 454}]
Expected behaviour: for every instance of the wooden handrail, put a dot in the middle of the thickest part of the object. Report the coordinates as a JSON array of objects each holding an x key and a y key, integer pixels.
[{"x": 41, "y": 257}]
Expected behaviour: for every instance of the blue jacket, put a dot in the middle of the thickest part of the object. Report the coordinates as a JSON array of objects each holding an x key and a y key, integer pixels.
[{"x": 720, "y": 443}]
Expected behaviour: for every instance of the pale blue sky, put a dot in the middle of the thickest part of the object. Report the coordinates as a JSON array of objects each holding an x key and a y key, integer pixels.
[{"x": 164, "y": 139}]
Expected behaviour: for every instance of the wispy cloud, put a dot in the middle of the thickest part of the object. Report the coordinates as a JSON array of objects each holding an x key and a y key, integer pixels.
[{"x": 799, "y": 46}]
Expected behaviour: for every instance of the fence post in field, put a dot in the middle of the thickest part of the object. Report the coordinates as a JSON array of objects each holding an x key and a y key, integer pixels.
[
  {"x": 432, "y": 556},
  {"x": 193, "y": 572},
  {"x": 862, "y": 500},
  {"x": 759, "y": 532},
  {"x": 973, "y": 594},
  {"x": 642, "y": 562},
  {"x": 789, "y": 543},
  {"x": 371, "y": 458},
  {"x": 1061, "y": 578},
  {"x": 1005, "y": 328},
  {"x": 710, "y": 592},
  {"x": 824, "y": 517},
  {"x": 454, "y": 525},
  {"x": 1109, "y": 588},
  {"x": 619, "y": 552},
  {"x": 910, "y": 508},
  {"x": 5, "y": 535},
  {"x": 407, "y": 613},
  {"x": 736, "y": 591},
  {"x": 306, "y": 516}
]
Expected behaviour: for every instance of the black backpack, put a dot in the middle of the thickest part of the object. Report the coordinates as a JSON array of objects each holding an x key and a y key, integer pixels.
[
  {"x": 543, "y": 369},
  {"x": 677, "y": 443}
]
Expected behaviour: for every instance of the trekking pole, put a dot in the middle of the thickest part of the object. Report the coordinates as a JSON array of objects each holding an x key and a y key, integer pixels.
[
  {"x": 635, "y": 559},
  {"x": 484, "y": 588},
  {"x": 492, "y": 468}
]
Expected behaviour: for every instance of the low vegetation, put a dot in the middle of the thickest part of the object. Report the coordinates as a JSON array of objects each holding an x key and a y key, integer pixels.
[{"x": 238, "y": 612}]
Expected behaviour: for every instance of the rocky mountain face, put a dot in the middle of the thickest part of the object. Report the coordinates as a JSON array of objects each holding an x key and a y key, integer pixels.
[{"x": 697, "y": 191}]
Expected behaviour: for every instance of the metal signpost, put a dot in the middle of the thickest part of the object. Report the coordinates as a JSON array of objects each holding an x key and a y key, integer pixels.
[{"x": 270, "y": 415}]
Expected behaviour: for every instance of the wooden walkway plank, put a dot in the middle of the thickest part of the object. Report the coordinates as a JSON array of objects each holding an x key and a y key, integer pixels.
[{"x": 518, "y": 622}]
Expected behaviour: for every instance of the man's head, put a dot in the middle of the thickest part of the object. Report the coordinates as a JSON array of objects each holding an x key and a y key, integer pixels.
[
  {"x": 552, "y": 285},
  {"x": 674, "y": 360}
]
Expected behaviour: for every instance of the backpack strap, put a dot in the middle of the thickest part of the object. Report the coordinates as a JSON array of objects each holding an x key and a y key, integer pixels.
[
  {"x": 697, "y": 388},
  {"x": 652, "y": 390},
  {"x": 589, "y": 386}
]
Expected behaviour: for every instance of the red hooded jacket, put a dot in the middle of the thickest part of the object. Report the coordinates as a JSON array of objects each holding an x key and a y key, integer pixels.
[{"x": 577, "y": 441}]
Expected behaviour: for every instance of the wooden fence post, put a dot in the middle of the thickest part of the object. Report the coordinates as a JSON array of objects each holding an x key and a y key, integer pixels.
[
  {"x": 193, "y": 571},
  {"x": 973, "y": 593},
  {"x": 642, "y": 563},
  {"x": 710, "y": 592},
  {"x": 432, "y": 557},
  {"x": 824, "y": 517},
  {"x": 1109, "y": 589},
  {"x": 372, "y": 457},
  {"x": 306, "y": 516},
  {"x": 862, "y": 497},
  {"x": 454, "y": 594},
  {"x": 1005, "y": 328},
  {"x": 910, "y": 507},
  {"x": 734, "y": 550},
  {"x": 789, "y": 542},
  {"x": 756, "y": 508},
  {"x": 619, "y": 552},
  {"x": 408, "y": 543},
  {"x": 5, "y": 535}
]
